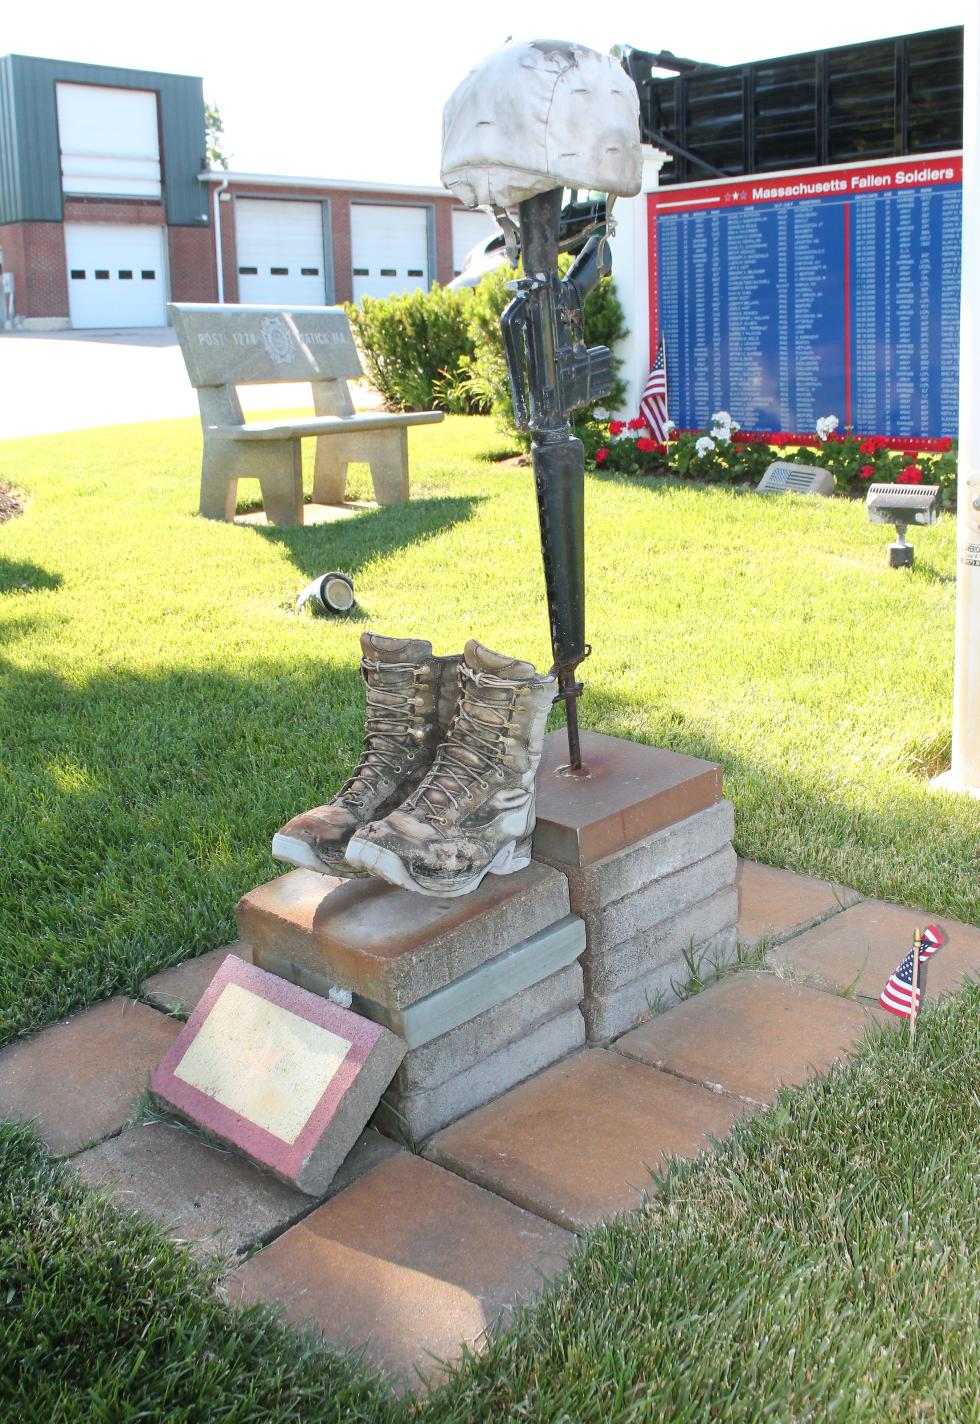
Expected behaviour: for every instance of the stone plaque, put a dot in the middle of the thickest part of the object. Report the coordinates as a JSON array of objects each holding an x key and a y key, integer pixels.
[{"x": 285, "y": 1076}]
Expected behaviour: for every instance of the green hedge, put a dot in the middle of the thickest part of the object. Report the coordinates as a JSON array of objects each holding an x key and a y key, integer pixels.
[{"x": 443, "y": 350}]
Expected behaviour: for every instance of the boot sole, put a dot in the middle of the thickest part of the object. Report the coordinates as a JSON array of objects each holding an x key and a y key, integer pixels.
[
  {"x": 376, "y": 860},
  {"x": 293, "y": 851}
]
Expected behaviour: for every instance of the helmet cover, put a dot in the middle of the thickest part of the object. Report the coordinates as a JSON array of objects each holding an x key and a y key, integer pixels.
[{"x": 539, "y": 115}]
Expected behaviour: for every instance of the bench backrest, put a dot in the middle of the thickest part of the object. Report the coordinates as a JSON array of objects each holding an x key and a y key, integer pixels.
[{"x": 244, "y": 345}]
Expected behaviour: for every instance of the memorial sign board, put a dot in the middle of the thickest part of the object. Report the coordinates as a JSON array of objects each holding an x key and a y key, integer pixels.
[{"x": 831, "y": 291}]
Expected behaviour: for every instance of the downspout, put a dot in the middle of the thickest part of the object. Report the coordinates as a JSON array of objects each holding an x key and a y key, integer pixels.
[{"x": 218, "y": 260}]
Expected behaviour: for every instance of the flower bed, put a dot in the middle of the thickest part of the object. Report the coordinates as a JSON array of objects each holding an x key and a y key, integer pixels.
[{"x": 725, "y": 455}]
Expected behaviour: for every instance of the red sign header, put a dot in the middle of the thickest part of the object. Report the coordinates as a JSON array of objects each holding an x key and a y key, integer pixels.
[{"x": 893, "y": 176}]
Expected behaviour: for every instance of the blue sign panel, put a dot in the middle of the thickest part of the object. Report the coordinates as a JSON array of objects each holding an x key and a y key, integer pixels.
[{"x": 830, "y": 292}]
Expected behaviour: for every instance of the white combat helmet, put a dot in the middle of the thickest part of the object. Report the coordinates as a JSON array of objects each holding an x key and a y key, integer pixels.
[{"x": 545, "y": 114}]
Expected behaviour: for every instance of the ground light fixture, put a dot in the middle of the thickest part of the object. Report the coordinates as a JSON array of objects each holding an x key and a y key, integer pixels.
[
  {"x": 901, "y": 505},
  {"x": 329, "y": 593}
]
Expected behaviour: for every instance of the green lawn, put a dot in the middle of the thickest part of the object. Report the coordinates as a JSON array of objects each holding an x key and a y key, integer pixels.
[{"x": 164, "y": 712}]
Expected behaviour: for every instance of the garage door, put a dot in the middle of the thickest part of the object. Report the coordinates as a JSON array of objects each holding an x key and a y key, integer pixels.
[
  {"x": 280, "y": 252},
  {"x": 116, "y": 275},
  {"x": 389, "y": 249},
  {"x": 469, "y": 229}
]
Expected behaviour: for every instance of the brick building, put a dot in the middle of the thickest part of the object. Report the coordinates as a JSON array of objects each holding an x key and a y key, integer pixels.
[{"x": 107, "y": 210}]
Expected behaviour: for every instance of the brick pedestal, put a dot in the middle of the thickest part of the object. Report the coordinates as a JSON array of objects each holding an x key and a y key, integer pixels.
[
  {"x": 484, "y": 988},
  {"x": 644, "y": 841}
]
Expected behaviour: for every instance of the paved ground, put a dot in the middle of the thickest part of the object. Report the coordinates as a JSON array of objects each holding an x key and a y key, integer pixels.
[
  {"x": 71, "y": 380},
  {"x": 411, "y": 1255}
]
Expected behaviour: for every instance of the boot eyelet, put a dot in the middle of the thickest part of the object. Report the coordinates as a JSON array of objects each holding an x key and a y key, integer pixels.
[{"x": 485, "y": 785}]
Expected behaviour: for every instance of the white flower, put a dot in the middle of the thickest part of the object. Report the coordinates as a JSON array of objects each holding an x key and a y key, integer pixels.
[
  {"x": 734, "y": 425},
  {"x": 633, "y": 434},
  {"x": 703, "y": 445},
  {"x": 670, "y": 425},
  {"x": 599, "y": 413},
  {"x": 721, "y": 433},
  {"x": 825, "y": 425}
]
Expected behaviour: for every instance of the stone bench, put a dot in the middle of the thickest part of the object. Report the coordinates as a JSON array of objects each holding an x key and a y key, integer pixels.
[{"x": 229, "y": 346}]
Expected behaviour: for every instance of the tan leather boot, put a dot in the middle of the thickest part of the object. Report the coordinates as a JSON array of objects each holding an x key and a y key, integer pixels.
[
  {"x": 411, "y": 696},
  {"x": 473, "y": 812}
]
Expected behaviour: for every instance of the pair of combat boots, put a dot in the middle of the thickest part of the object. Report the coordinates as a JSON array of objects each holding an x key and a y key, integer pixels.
[{"x": 444, "y": 791}]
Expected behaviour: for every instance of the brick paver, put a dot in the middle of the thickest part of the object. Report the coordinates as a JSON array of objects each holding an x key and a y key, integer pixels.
[
  {"x": 214, "y": 1200},
  {"x": 858, "y": 949},
  {"x": 177, "y": 990},
  {"x": 410, "y": 1262},
  {"x": 775, "y": 904},
  {"x": 577, "y": 1144},
  {"x": 750, "y": 1033},
  {"x": 82, "y": 1078}
]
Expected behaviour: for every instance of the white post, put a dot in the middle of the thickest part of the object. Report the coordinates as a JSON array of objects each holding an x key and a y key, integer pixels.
[
  {"x": 631, "y": 274},
  {"x": 964, "y": 773}
]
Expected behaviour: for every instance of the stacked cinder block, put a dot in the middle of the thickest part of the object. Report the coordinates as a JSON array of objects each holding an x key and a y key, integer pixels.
[
  {"x": 645, "y": 841},
  {"x": 485, "y": 989}
]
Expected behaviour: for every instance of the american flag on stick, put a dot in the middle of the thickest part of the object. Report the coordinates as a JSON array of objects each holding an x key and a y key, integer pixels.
[
  {"x": 902, "y": 994},
  {"x": 653, "y": 401}
]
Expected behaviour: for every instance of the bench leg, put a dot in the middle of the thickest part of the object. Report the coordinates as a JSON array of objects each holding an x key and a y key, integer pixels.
[
  {"x": 329, "y": 471},
  {"x": 388, "y": 459},
  {"x": 282, "y": 481},
  {"x": 219, "y": 489}
]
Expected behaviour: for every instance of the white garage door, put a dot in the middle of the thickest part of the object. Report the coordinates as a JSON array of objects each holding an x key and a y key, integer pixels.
[
  {"x": 280, "y": 252},
  {"x": 116, "y": 275},
  {"x": 389, "y": 249},
  {"x": 469, "y": 229}
]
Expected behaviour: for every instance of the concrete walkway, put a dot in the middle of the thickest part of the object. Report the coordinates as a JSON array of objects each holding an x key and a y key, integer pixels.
[
  {"x": 411, "y": 1255},
  {"x": 72, "y": 380}
]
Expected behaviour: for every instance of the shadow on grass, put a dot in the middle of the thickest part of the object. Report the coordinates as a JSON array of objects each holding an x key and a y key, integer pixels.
[
  {"x": 17, "y": 576},
  {"x": 349, "y": 544},
  {"x": 145, "y": 806}
]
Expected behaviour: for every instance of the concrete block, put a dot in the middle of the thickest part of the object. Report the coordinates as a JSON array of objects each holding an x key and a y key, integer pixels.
[
  {"x": 609, "y": 967},
  {"x": 631, "y": 791},
  {"x": 475, "y": 993},
  {"x": 411, "y": 1265},
  {"x": 607, "y": 1015},
  {"x": 392, "y": 946},
  {"x": 445, "y": 1057},
  {"x": 661, "y": 900},
  {"x": 424, "y": 1112},
  {"x": 592, "y": 887},
  {"x": 285, "y": 1076}
]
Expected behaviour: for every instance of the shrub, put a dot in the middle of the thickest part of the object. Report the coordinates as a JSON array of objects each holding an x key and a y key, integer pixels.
[{"x": 416, "y": 346}]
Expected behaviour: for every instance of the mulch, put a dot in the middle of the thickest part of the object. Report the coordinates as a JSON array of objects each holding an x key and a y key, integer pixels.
[{"x": 10, "y": 503}]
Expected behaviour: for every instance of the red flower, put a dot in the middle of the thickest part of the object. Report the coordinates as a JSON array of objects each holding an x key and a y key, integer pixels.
[
  {"x": 866, "y": 471},
  {"x": 638, "y": 424},
  {"x": 868, "y": 447},
  {"x": 908, "y": 458},
  {"x": 601, "y": 456},
  {"x": 911, "y": 475},
  {"x": 616, "y": 427},
  {"x": 646, "y": 444}
]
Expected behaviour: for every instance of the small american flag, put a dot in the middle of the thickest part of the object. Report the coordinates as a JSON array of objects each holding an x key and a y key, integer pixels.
[
  {"x": 896, "y": 996},
  {"x": 653, "y": 401}
]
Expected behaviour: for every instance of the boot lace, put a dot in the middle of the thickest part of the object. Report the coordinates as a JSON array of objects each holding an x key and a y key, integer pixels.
[
  {"x": 386, "y": 741},
  {"x": 453, "y": 776}
]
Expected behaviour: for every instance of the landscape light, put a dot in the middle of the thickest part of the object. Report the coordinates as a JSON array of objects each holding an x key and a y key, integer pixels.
[
  {"x": 902, "y": 505},
  {"x": 330, "y": 593}
]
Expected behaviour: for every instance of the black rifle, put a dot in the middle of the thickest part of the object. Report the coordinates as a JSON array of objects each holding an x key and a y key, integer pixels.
[{"x": 551, "y": 373}]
